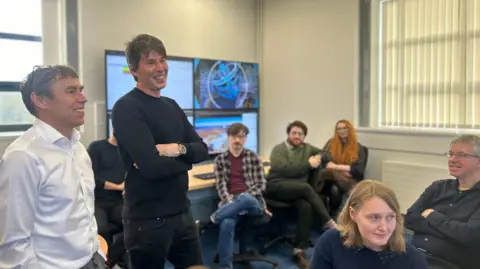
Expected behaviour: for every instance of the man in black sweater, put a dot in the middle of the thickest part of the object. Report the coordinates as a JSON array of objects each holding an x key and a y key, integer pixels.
[
  {"x": 158, "y": 146},
  {"x": 109, "y": 185}
]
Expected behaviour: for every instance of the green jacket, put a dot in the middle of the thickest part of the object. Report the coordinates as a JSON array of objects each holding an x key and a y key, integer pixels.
[{"x": 287, "y": 162}]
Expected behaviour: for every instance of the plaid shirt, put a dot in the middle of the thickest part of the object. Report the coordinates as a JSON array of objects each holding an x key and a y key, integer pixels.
[{"x": 253, "y": 175}]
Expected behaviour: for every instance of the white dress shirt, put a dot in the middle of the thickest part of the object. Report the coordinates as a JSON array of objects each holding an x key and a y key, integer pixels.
[{"x": 46, "y": 202}]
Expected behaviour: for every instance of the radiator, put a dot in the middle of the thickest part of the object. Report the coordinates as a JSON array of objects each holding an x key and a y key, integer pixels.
[{"x": 409, "y": 180}]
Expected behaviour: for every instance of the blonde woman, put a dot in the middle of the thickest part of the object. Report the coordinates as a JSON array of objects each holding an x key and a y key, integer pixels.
[{"x": 369, "y": 234}]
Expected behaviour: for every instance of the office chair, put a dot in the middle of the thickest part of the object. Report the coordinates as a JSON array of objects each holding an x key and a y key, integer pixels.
[
  {"x": 283, "y": 236},
  {"x": 244, "y": 256},
  {"x": 103, "y": 244}
]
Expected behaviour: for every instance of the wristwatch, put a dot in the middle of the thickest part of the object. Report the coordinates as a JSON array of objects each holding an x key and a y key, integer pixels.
[{"x": 182, "y": 149}]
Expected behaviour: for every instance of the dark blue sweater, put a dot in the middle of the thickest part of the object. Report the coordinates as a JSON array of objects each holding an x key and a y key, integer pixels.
[{"x": 330, "y": 253}]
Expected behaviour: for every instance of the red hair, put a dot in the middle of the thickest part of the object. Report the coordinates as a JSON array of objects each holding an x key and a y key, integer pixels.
[{"x": 344, "y": 153}]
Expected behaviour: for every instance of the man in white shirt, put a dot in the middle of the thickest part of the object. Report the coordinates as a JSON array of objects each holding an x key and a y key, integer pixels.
[{"x": 46, "y": 181}]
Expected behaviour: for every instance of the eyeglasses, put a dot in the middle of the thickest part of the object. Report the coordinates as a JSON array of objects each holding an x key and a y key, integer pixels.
[
  {"x": 297, "y": 133},
  {"x": 450, "y": 154},
  {"x": 239, "y": 136},
  {"x": 342, "y": 129}
]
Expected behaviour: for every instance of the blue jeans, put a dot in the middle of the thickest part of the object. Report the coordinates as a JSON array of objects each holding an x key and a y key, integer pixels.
[{"x": 227, "y": 217}]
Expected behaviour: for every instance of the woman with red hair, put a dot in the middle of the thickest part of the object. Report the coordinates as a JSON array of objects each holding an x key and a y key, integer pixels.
[{"x": 347, "y": 166}]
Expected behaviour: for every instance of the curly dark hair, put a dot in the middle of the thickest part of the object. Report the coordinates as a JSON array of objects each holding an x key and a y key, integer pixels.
[{"x": 298, "y": 124}]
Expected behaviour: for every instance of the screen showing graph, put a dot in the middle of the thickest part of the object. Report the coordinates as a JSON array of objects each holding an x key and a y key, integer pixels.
[
  {"x": 225, "y": 84},
  {"x": 212, "y": 128},
  {"x": 119, "y": 80}
]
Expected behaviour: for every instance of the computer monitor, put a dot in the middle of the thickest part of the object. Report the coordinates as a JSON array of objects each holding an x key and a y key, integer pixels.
[
  {"x": 189, "y": 114},
  {"x": 225, "y": 84},
  {"x": 212, "y": 126},
  {"x": 119, "y": 80}
]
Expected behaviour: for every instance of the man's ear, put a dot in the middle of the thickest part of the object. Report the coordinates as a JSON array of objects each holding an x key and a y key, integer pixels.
[
  {"x": 132, "y": 71},
  {"x": 40, "y": 102}
]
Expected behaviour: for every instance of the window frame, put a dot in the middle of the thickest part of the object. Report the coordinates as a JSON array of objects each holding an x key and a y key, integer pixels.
[
  {"x": 14, "y": 86},
  {"x": 57, "y": 16},
  {"x": 369, "y": 107}
]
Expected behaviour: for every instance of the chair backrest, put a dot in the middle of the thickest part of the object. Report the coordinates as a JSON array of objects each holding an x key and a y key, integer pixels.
[
  {"x": 365, "y": 149},
  {"x": 103, "y": 244}
]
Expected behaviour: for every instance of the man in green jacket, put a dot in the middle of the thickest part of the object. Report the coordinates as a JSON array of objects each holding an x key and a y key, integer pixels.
[{"x": 292, "y": 178}]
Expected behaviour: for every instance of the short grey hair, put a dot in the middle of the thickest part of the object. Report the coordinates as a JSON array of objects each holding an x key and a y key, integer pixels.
[
  {"x": 474, "y": 140},
  {"x": 40, "y": 82}
]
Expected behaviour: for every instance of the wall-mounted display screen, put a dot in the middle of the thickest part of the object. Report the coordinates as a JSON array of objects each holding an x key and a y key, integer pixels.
[{"x": 225, "y": 84}]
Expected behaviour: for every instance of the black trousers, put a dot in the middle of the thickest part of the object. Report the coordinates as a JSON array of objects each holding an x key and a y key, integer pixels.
[
  {"x": 307, "y": 201},
  {"x": 150, "y": 242},
  {"x": 107, "y": 213}
]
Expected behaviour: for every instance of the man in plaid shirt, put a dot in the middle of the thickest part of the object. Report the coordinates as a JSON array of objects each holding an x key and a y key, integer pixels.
[{"x": 240, "y": 183}]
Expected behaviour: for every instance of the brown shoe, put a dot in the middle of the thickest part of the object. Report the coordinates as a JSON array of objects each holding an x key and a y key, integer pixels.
[{"x": 301, "y": 260}]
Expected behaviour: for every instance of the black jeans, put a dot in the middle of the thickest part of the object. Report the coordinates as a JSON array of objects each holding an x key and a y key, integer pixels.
[
  {"x": 107, "y": 213},
  {"x": 150, "y": 242},
  {"x": 307, "y": 201}
]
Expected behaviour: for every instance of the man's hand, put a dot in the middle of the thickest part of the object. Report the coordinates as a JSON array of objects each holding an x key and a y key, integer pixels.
[
  {"x": 315, "y": 161},
  {"x": 427, "y": 212},
  {"x": 169, "y": 150},
  {"x": 268, "y": 212},
  {"x": 121, "y": 187}
]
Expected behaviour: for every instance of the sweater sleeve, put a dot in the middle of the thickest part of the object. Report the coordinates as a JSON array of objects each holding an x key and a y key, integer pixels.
[
  {"x": 197, "y": 150},
  {"x": 326, "y": 156},
  {"x": 279, "y": 164},
  {"x": 134, "y": 136}
]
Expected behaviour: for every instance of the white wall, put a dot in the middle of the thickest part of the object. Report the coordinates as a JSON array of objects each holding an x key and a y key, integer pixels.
[
  {"x": 413, "y": 147},
  {"x": 218, "y": 29},
  {"x": 309, "y": 67},
  {"x": 309, "y": 72},
  {"x": 307, "y": 50}
]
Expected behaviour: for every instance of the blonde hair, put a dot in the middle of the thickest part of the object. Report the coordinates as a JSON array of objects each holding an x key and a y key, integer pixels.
[{"x": 364, "y": 191}]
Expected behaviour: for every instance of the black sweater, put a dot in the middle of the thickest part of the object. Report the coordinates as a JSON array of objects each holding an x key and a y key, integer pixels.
[
  {"x": 158, "y": 188},
  {"x": 107, "y": 166}
]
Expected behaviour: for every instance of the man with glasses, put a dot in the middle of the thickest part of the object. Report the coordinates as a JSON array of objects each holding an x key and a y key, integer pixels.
[
  {"x": 446, "y": 218},
  {"x": 240, "y": 183}
]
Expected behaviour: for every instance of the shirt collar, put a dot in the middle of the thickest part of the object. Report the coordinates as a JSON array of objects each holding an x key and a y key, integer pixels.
[
  {"x": 52, "y": 135},
  {"x": 476, "y": 186},
  {"x": 241, "y": 153},
  {"x": 289, "y": 146}
]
